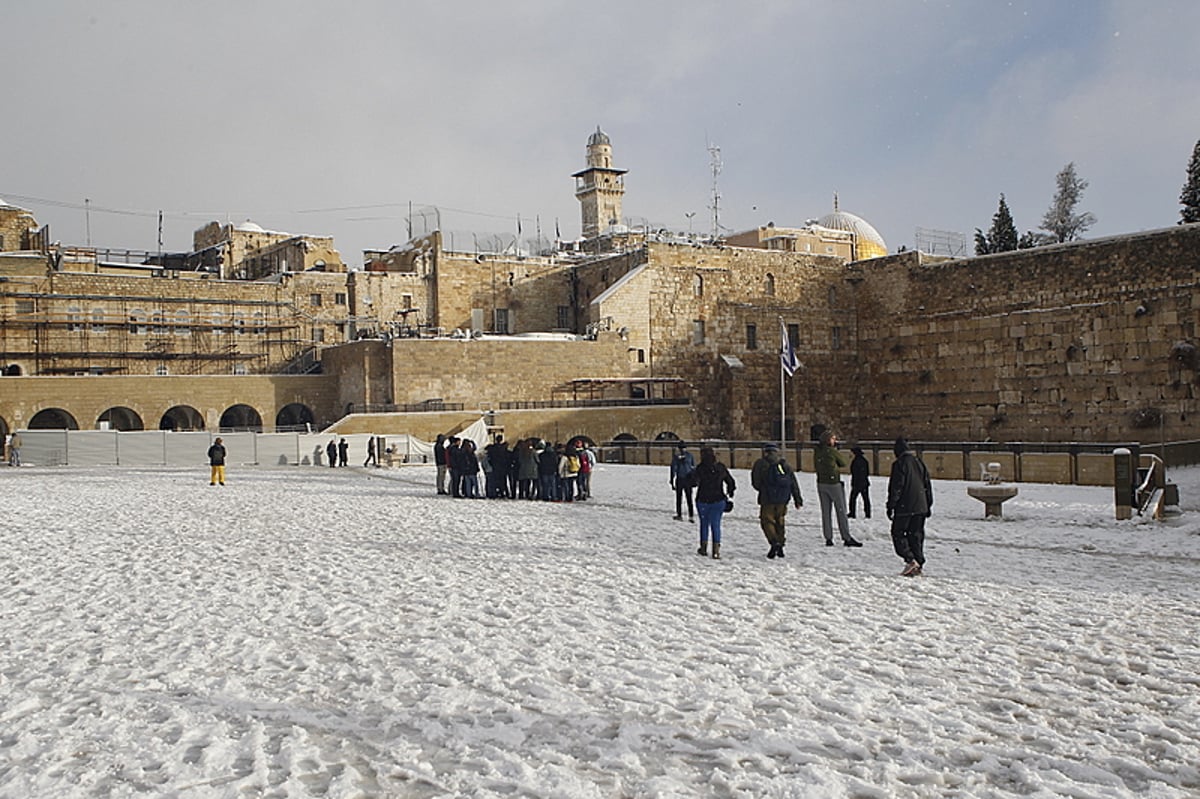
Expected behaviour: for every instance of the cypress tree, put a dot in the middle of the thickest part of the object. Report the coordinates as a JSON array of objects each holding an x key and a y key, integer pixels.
[{"x": 1189, "y": 198}]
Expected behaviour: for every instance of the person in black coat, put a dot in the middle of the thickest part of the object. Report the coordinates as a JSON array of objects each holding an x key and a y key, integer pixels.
[
  {"x": 548, "y": 473},
  {"x": 343, "y": 453},
  {"x": 909, "y": 504},
  {"x": 216, "y": 462},
  {"x": 714, "y": 488},
  {"x": 860, "y": 482},
  {"x": 331, "y": 452}
]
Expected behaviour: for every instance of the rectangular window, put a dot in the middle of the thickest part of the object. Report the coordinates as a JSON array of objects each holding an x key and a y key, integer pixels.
[
  {"x": 564, "y": 317},
  {"x": 339, "y": 298},
  {"x": 698, "y": 331},
  {"x": 314, "y": 300},
  {"x": 24, "y": 306},
  {"x": 318, "y": 335},
  {"x": 641, "y": 356},
  {"x": 502, "y": 321},
  {"x": 406, "y": 302},
  {"x": 751, "y": 337},
  {"x": 835, "y": 338},
  {"x": 794, "y": 335}
]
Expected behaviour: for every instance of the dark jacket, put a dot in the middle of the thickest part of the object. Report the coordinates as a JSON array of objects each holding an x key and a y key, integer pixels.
[
  {"x": 216, "y": 455},
  {"x": 711, "y": 480},
  {"x": 909, "y": 490},
  {"x": 548, "y": 461},
  {"x": 860, "y": 472},
  {"x": 682, "y": 464},
  {"x": 772, "y": 477}
]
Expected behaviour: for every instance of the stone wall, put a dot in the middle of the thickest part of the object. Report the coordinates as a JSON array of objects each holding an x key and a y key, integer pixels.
[
  {"x": 87, "y": 398},
  {"x": 479, "y": 373},
  {"x": 663, "y": 304},
  {"x": 15, "y": 224},
  {"x": 1091, "y": 341}
]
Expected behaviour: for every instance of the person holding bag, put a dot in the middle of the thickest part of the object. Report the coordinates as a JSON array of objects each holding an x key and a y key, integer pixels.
[{"x": 711, "y": 479}]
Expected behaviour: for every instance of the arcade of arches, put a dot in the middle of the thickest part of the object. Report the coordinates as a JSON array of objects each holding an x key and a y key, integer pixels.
[{"x": 267, "y": 404}]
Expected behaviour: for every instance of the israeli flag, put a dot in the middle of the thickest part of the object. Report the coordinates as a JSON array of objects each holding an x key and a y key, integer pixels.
[{"x": 787, "y": 353}]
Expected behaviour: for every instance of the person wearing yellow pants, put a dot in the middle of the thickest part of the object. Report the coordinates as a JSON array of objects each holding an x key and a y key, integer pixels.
[{"x": 216, "y": 458}]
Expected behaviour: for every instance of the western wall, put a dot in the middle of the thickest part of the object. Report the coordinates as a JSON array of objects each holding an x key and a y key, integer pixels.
[{"x": 1089, "y": 341}]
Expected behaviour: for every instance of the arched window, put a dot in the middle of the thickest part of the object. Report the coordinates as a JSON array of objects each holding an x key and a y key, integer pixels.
[
  {"x": 98, "y": 325},
  {"x": 137, "y": 322},
  {"x": 833, "y": 296},
  {"x": 769, "y": 285},
  {"x": 183, "y": 323},
  {"x": 698, "y": 285},
  {"x": 218, "y": 322},
  {"x": 257, "y": 323},
  {"x": 74, "y": 318},
  {"x": 239, "y": 322}
]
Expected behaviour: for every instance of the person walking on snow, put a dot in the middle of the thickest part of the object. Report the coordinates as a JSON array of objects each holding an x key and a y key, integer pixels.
[
  {"x": 828, "y": 462},
  {"x": 860, "y": 483},
  {"x": 682, "y": 480},
  {"x": 772, "y": 477},
  {"x": 909, "y": 504},
  {"x": 712, "y": 480}
]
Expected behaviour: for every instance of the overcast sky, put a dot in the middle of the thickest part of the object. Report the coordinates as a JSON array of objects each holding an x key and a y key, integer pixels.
[{"x": 330, "y": 118}]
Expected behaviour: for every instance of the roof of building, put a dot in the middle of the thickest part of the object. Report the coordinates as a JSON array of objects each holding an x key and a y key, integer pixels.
[
  {"x": 870, "y": 243},
  {"x": 599, "y": 137}
]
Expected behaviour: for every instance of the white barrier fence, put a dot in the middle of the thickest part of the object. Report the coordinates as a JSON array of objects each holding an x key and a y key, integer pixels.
[{"x": 168, "y": 448}]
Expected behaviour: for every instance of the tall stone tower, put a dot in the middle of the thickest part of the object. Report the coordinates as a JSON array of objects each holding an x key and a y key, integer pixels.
[{"x": 599, "y": 187}]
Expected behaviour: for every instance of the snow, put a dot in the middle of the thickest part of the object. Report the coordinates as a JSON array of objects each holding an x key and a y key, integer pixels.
[{"x": 307, "y": 631}]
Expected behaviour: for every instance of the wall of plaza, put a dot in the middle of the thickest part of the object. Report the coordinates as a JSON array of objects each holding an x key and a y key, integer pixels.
[
  {"x": 712, "y": 316},
  {"x": 477, "y": 373},
  {"x": 1089, "y": 341},
  {"x": 87, "y": 398}
]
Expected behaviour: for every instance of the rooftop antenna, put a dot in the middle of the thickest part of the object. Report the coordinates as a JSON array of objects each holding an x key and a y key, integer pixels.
[{"x": 715, "y": 163}]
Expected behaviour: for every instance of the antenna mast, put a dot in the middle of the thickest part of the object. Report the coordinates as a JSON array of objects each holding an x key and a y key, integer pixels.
[{"x": 715, "y": 163}]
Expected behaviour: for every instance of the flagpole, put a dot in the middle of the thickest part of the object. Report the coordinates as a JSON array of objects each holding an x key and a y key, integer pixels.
[
  {"x": 782, "y": 409},
  {"x": 782, "y": 393}
]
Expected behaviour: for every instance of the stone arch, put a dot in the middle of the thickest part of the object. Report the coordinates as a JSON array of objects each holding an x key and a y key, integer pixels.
[
  {"x": 666, "y": 435},
  {"x": 3, "y": 430},
  {"x": 13, "y": 370},
  {"x": 294, "y": 415},
  {"x": 241, "y": 417},
  {"x": 121, "y": 418},
  {"x": 625, "y": 438},
  {"x": 586, "y": 439},
  {"x": 53, "y": 419},
  {"x": 181, "y": 418}
]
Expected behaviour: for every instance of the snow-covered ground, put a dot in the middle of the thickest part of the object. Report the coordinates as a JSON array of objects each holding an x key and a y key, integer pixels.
[{"x": 308, "y": 631}]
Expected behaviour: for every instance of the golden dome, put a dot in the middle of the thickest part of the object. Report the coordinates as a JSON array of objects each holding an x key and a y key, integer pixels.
[{"x": 867, "y": 241}]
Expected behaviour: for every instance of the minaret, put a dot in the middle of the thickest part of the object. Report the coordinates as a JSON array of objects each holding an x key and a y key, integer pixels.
[{"x": 599, "y": 187}]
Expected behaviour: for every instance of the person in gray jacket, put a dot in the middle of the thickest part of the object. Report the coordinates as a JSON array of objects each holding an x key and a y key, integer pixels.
[{"x": 909, "y": 503}]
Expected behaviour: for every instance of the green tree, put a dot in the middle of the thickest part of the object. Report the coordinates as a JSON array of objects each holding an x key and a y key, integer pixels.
[
  {"x": 1061, "y": 222},
  {"x": 1001, "y": 236},
  {"x": 1189, "y": 198}
]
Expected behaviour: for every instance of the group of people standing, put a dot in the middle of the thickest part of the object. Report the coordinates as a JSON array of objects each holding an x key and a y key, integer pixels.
[
  {"x": 533, "y": 469},
  {"x": 909, "y": 502}
]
